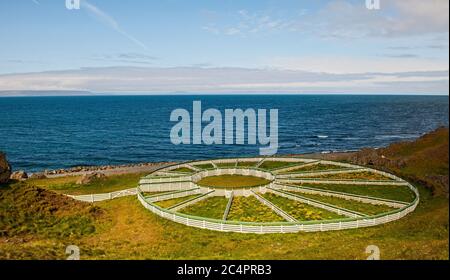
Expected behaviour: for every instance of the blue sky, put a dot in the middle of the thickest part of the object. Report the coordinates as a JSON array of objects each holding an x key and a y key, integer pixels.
[{"x": 208, "y": 46}]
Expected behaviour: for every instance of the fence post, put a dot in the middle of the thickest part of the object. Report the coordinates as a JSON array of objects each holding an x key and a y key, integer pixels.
[{"x": 92, "y": 198}]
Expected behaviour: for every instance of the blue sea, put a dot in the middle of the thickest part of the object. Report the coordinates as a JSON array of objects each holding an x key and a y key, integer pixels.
[{"x": 40, "y": 133}]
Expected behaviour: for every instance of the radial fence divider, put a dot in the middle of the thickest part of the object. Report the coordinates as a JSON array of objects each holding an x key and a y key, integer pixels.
[
  {"x": 347, "y": 196},
  {"x": 228, "y": 208},
  {"x": 325, "y": 172},
  {"x": 319, "y": 204},
  {"x": 343, "y": 182},
  {"x": 301, "y": 164},
  {"x": 170, "y": 193},
  {"x": 275, "y": 208},
  {"x": 246, "y": 227},
  {"x": 191, "y": 201},
  {"x": 287, "y": 175},
  {"x": 193, "y": 167},
  {"x": 260, "y": 162},
  {"x": 177, "y": 194}
]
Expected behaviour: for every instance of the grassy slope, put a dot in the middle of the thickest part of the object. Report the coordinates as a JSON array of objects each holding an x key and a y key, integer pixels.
[
  {"x": 129, "y": 231},
  {"x": 67, "y": 185},
  {"x": 134, "y": 233},
  {"x": 424, "y": 161}
]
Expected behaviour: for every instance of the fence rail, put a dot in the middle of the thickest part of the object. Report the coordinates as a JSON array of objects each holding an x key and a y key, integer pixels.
[
  {"x": 347, "y": 196},
  {"x": 263, "y": 228},
  {"x": 183, "y": 185}
]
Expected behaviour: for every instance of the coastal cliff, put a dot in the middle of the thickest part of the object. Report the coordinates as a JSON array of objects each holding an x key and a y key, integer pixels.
[
  {"x": 5, "y": 169},
  {"x": 423, "y": 161}
]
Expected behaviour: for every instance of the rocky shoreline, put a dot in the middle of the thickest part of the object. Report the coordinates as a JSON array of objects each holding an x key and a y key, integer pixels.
[
  {"x": 84, "y": 170},
  {"x": 79, "y": 169}
]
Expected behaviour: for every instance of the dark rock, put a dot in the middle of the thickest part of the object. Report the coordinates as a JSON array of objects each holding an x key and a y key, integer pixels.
[
  {"x": 5, "y": 169},
  {"x": 19, "y": 175},
  {"x": 88, "y": 178}
]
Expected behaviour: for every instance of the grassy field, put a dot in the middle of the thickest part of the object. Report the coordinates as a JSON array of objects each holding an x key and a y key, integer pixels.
[
  {"x": 399, "y": 193},
  {"x": 269, "y": 165},
  {"x": 67, "y": 185},
  {"x": 354, "y": 176},
  {"x": 39, "y": 224},
  {"x": 314, "y": 167},
  {"x": 360, "y": 207},
  {"x": 232, "y": 181},
  {"x": 147, "y": 194},
  {"x": 126, "y": 230},
  {"x": 301, "y": 211},
  {"x": 423, "y": 161},
  {"x": 249, "y": 209},
  {"x": 247, "y": 164},
  {"x": 226, "y": 165},
  {"x": 184, "y": 170},
  {"x": 174, "y": 201},
  {"x": 204, "y": 166},
  {"x": 212, "y": 207}
]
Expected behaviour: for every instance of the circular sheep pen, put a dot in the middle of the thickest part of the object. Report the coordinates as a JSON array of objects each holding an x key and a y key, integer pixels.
[{"x": 276, "y": 195}]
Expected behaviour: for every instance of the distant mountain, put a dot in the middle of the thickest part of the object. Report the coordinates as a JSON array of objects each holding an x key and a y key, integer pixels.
[{"x": 16, "y": 93}]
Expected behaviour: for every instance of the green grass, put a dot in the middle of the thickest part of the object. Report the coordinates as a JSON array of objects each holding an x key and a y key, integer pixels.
[
  {"x": 129, "y": 231},
  {"x": 249, "y": 209},
  {"x": 301, "y": 211},
  {"x": 354, "y": 176},
  {"x": 67, "y": 185},
  {"x": 212, "y": 207},
  {"x": 226, "y": 165},
  {"x": 314, "y": 167},
  {"x": 204, "y": 166},
  {"x": 365, "y": 208},
  {"x": 183, "y": 170},
  {"x": 154, "y": 193},
  {"x": 269, "y": 165},
  {"x": 399, "y": 193},
  {"x": 174, "y": 201},
  {"x": 126, "y": 230},
  {"x": 232, "y": 181},
  {"x": 26, "y": 209},
  {"x": 247, "y": 164}
]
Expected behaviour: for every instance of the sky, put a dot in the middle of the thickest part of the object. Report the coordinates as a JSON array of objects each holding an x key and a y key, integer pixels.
[{"x": 225, "y": 46}]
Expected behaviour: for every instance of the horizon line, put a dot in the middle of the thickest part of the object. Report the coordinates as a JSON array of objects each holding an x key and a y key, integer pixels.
[{"x": 121, "y": 94}]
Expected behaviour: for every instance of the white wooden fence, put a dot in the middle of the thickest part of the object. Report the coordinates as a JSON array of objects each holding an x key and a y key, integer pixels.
[{"x": 183, "y": 185}]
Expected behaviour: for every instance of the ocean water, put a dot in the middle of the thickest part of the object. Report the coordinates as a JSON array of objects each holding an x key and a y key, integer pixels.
[{"x": 40, "y": 133}]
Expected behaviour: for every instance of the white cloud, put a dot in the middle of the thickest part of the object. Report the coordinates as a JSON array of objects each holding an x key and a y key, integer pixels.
[
  {"x": 346, "y": 19},
  {"x": 252, "y": 23},
  {"x": 217, "y": 80},
  {"x": 396, "y": 18},
  {"x": 353, "y": 64}
]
